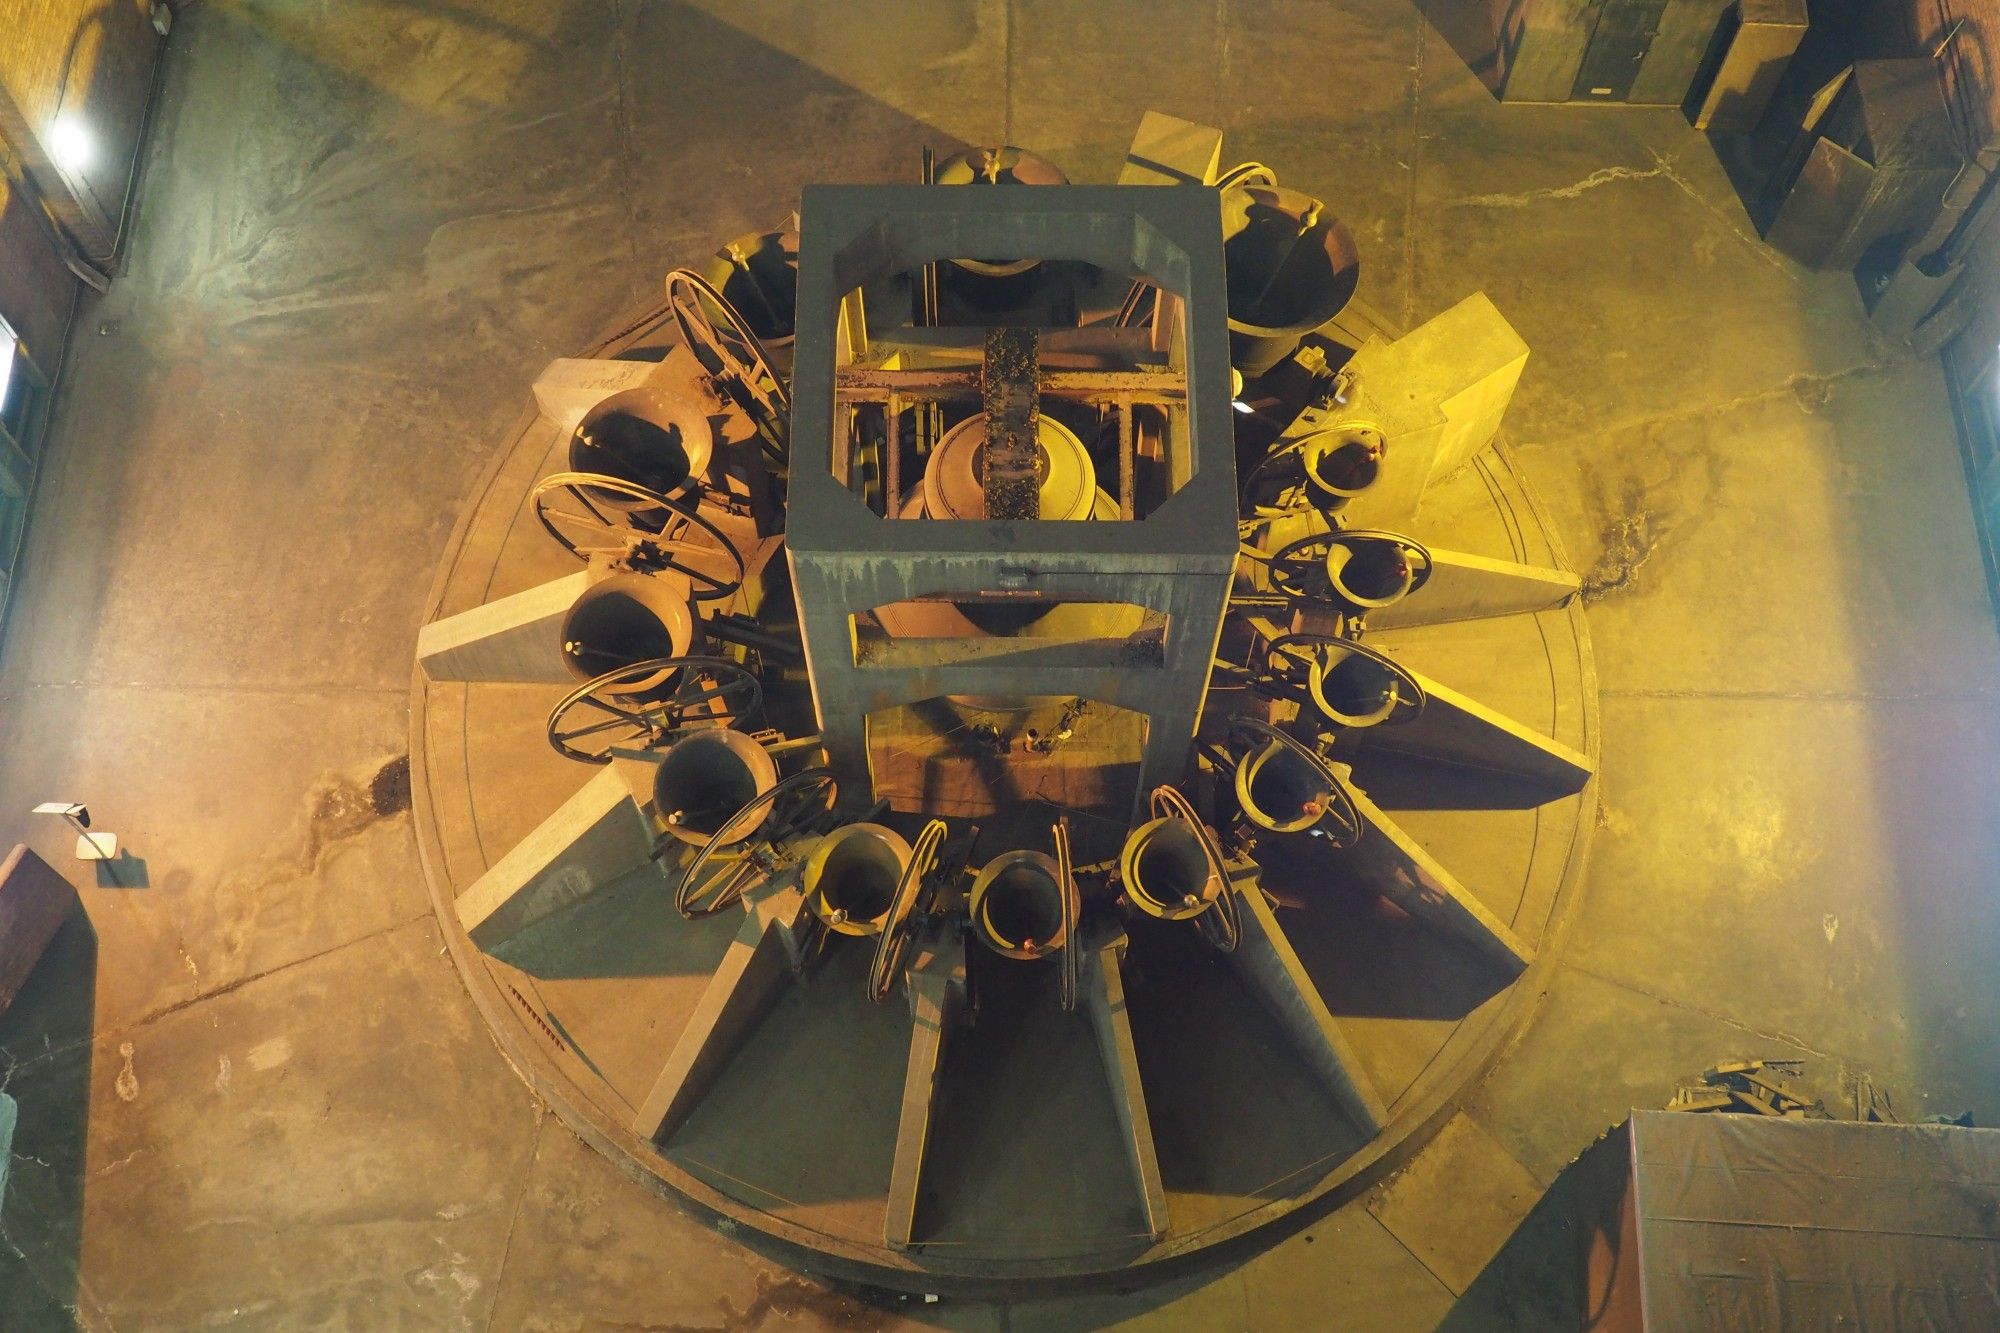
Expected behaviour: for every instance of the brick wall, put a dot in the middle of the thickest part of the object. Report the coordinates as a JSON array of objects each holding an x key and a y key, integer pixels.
[
  {"x": 93, "y": 61},
  {"x": 90, "y": 61}
]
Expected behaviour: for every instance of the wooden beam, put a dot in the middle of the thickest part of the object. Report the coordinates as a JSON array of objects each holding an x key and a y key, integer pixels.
[
  {"x": 1267, "y": 964},
  {"x": 68, "y": 202},
  {"x": 1457, "y": 729},
  {"x": 753, "y": 972},
  {"x": 598, "y": 836},
  {"x": 1473, "y": 587},
  {"x": 34, "y": 902},
  {"x": 937, "y": 996},
  {"x": 1391, "y": 862},
  {"x": 516, "y": 638},
  {"x": 863, "y": 384},
  {"x": 1104, "y": 1005}
]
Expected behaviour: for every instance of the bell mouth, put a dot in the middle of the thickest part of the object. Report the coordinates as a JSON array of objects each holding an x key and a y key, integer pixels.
[
  {"x": 758, "y": 274},
  {"x": 621, "y": 621},
  {"x": 1370, "y": 574},
  {"x": 1355, "y": 691},
  {"x": 1291, "y": 265},
  {"x": 1340, "y": 464},
  {"x": 705, "y": 778},
  {"x": 1166, "y": 870},
  {"x": 851, "y": 877},
  {"x": 1277, "y": 791},
  {"x": 642, "y": 436},
  {"x": 1016, "y": 905}
]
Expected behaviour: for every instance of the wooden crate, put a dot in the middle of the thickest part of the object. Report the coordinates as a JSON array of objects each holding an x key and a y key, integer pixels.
[{"x": 34, "y": 902}]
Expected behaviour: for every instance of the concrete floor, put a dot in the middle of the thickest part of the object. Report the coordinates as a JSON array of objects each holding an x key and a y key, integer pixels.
[{"x": 252, "y": 1091}]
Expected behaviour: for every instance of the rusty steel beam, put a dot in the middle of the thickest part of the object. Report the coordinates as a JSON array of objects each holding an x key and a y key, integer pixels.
[
  {"x": 1013, "y": 413},
  {"x": 875, "y": 384}
]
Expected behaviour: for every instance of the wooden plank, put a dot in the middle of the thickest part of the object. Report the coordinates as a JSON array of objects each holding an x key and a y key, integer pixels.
[
  {"x": 599, "y": 835},
  {"x": 569, "y": 387},
  {"x": 863, "y": 384},
  {"x": 1819, "y": 209},
  {"x": 1544, "y": 42},
  {"x": 1167, "y": 150},
  {"x": 514, "y": 638},
  {"x": 17, "y": 470}
]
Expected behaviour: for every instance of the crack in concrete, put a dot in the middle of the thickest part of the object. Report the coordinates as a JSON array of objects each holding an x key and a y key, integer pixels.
[
  {"x": 1595, "y": 180},
  {"x": 1754, "y": 243},
  {"x": 51, "y": 1051},
  {"x": 108, "y": 1167},
  {"x": 1662, "y": 169},
  {"x": 520, "y": 1206},
  {"x": 622, "y": 116},
  {"x": 1803, "y": 696},
  {"x": 1629, "y": 542},
  {"x": 339, "y": 809},
  {"x": 1724, "y": 1019},
  {"x": 1410, "y": 250},
  {"x": 73, "y": 1308},
  {"x": 1649, "y": 513},
  {"x": 1643, "y": 517},
  {"x": 301, "y": 689},
  {"x": 1812, "y": 392},
  {"x": 783, "y": 1299}
]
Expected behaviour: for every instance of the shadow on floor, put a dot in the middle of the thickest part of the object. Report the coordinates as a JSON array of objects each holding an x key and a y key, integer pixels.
[
  {"x": 1541, "y": 1278},
  {"x": 1483, "y": 33},
  {"x": 123, "y": 871},
  {"x": 1397, "y": 780}
]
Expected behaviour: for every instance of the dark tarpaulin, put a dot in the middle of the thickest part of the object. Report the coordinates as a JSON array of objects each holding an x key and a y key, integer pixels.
[{"x": 1748, "y": 1222}]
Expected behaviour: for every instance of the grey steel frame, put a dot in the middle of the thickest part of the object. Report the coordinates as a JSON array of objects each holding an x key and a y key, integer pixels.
[{"x": 1178, "y": 560}]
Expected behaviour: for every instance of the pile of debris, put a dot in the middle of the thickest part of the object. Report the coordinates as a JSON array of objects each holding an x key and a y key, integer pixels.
[
  {"x": 1761, "y": 1087},
  {"x": 1767, "y": 1087}
]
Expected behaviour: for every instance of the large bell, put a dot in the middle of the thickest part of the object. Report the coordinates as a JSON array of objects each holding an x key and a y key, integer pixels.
[
  {"x": 622, "y": 620},
  {"x": 987, "y": 280},
  {"x": 998, "y": 166},
  {"x": 1166, "y": 872},
  {"x": 1352, "y": 689},
  {"x": 758, "y": 274},
  {"x": 1279, "y": 791},
  {"x": 705, "y": 777},
  {"x": 1016, "y": 905},
  {"x": 1291, "y": 267},
  {"x": 1370, "y": 573},
  {"x": 953, "y": 489},
  {"x": 1340, "y": 463},
  {"x": 646, "y": 436},
  {"x": 851, "y": 876},
  {"x": 1066, "y": 476}
]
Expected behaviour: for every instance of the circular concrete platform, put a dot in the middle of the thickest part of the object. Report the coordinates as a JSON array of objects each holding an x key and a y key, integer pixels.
[{"x": 1025, "y": 1182}]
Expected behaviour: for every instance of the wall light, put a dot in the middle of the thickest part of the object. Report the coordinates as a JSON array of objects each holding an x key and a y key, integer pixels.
[
  {"x": 89, "y": 846},
  {"x": 71, "y": 146}
]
